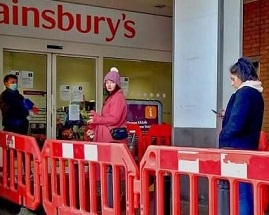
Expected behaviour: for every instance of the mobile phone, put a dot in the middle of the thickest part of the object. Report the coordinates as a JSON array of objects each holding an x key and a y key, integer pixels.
[{"x": 214, "y": 111}]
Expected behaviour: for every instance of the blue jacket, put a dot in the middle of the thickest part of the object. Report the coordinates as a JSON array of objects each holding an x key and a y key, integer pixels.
[
  {"x": 13, "y": 110},
  {"x": 242, "y": 122}
]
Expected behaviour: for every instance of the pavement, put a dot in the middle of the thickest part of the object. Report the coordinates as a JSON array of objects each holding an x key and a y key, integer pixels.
[{"x": 8, "y": 208}]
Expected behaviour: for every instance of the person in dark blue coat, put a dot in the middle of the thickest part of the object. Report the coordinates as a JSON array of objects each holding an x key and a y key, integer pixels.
[
  {"x": 242, "y": 121},
  {"x": 13, "y": 107},
  {"x": 15, "y": 110}
]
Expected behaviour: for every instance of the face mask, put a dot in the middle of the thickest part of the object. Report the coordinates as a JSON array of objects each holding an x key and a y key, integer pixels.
[{"x": 13, "y": 87}]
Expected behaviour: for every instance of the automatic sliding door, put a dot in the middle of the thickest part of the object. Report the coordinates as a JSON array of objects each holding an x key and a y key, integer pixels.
[
  {"x": 75, "y": 95},
  {"x": 53, "y": 83}
]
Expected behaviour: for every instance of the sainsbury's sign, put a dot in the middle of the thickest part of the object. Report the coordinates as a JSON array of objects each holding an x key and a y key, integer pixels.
[
  {"x": 64, "y": 20},
  {"x": 70, "y": 22}
]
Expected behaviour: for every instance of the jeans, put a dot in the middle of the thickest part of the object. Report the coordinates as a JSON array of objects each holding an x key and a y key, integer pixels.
[{"x": 246, "y": 206}]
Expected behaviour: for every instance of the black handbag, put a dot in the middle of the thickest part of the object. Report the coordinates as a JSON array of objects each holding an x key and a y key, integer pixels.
[{"x": 119, "y": 133}]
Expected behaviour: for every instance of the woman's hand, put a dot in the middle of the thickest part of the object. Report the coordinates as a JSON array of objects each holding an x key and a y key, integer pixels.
[
  {"x": 221, "y": 113},
  {"x": 90, "y": 121},
  {"x": 92, "y": 115}
]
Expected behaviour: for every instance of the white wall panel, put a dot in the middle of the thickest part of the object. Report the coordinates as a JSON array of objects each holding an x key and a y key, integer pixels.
[{"x": 195, "y": 63}]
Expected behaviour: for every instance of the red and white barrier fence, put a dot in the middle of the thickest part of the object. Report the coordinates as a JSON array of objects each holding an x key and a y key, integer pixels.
[
  {"x": 75, "y": 191},
  {"x": 212, "y": 164},
  {"x": 20, "y": 170},
  {"x": 78, "y": 177}
]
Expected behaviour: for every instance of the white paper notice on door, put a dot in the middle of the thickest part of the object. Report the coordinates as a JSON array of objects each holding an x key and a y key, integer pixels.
[
  {"x": 124, "y": 83},
  {"x": 14, "y": 72},
  {"x": 27, "y": 79},
  {"x": 77, "y": 93},
  {"x": 73, "y": 112},
  {"x": 65, "y": 92}
]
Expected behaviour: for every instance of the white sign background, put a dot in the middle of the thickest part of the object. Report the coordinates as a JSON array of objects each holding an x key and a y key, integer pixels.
[
  {"x": 27, "y": 79},
  {"x": 151, "y": 32}
]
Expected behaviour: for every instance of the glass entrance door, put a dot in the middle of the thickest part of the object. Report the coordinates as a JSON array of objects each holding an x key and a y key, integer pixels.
[
  {"x": 31, "y": 70},
  {"x": 75, "y": 95},
  {"x": 62, "y": 88}
]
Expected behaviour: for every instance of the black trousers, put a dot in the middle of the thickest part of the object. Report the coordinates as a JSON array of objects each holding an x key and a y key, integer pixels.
[{"x": 19, "y": 130}]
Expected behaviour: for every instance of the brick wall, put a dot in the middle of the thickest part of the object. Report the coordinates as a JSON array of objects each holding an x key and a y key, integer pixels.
[{"x": 256, "y": 44}]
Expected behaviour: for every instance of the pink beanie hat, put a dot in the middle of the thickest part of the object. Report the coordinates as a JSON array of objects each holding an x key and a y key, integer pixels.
[{"x": 113, "y": 75}]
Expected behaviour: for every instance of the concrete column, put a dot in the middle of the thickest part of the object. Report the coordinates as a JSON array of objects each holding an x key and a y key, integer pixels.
[{"x": 207, "y": 40}]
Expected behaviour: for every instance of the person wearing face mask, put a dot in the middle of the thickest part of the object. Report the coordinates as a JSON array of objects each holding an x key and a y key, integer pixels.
[
  {"x": 12, "y": 104},
  {"x": 114, "y": 111},
  {"x": 241, "y": 125}
]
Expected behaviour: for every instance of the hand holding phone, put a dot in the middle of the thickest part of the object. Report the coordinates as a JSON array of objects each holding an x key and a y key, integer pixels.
[{"x": 219, "y": 113}]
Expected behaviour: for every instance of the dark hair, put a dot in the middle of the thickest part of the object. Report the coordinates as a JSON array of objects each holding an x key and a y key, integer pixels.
[
  {"x": 10, "y": 76},
  {"x": 109, "y": 94},
  {"x": 244, "y": 69}
]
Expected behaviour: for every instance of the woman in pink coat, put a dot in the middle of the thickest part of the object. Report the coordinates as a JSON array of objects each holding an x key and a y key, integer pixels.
[{"x": 114, "y": 111}]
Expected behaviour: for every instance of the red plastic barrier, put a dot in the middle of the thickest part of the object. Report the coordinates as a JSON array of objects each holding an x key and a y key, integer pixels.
[
  {"x": 136, "y": 141},
  {"x": 20, "y": 173},
  {"x": 158, "y": 135},
  {"x": 211, "y": 164},
  {"x": 92, "y": 178},
  {"x": 70, "y": 178},
  {"x": 263, "y": 144}
]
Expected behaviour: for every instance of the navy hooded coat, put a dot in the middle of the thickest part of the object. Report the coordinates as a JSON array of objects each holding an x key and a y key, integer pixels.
[{"x": 242, "y": 122}]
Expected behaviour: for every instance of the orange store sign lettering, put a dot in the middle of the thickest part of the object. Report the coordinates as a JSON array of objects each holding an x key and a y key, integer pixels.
[{"x": 60, "y": 18}]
